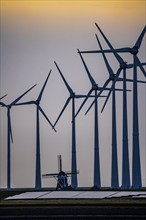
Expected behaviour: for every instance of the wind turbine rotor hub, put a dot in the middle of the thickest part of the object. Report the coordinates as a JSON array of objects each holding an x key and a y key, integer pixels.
[
  {"x": 95, "y": 87},
  {"x": 37, "y": 102},
  {"x": 112, "y": 76},
  {"x": 123, "y": 65},
  {"x": 134, "y": 50},
  {"x": 9, "y": 106},
  {"x": 72, "y": 95}
]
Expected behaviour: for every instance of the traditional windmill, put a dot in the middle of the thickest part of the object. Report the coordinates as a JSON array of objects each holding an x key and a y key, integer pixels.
[{"x": 61, "y": 177}]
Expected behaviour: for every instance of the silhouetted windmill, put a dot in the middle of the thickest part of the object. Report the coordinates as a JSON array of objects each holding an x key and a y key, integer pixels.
[
  {"x": 123, "y": 66},
  {"x": 72, "y": 97},
  {"x": 38, "y": 111},
  {"x": 10, "y": 137},
  {"x": 61, "y": 176}
]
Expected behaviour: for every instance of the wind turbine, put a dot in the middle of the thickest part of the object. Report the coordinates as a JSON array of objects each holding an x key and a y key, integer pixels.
[
  {"x": 72, "y": 97},
  {"x": 136, "y": 171},
  {"x": 95, "y": 88},
  {"x": 1, "y": 103},
  {"x": 38, "y": 111},
  {"x": 9, "y": 135}
]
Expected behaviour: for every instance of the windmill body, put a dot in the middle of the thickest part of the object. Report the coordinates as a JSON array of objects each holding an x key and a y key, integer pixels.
[{"x": 61, "y": 176}]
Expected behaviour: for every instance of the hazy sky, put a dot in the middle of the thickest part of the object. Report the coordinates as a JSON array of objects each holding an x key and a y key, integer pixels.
[{"x": 33, "y": 35}]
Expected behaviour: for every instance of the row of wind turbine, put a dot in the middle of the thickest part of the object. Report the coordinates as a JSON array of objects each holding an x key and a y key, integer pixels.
[{"x": 136, "y": 170}]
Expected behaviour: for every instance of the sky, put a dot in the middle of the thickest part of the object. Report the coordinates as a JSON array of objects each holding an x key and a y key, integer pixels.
[{"x": 33, "y": 35}]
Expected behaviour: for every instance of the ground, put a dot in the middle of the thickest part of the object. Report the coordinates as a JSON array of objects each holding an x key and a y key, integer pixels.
[{"x": 115, "y": 208}]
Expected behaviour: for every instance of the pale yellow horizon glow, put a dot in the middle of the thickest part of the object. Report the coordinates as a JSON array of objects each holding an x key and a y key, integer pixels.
[{"x": 77, "y": 11}]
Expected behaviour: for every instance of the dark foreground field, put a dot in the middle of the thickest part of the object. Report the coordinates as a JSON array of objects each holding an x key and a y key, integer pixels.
[{"x": 113, "y": 208}]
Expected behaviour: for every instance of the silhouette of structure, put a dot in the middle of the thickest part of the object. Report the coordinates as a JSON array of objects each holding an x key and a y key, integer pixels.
[
  {"x": 38, "y": 111},
  {"x": 10, "y": 136},
  {"x": 61, "y": 177}
]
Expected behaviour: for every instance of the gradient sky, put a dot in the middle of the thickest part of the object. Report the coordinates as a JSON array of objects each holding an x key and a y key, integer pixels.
[{"x": 33, "y": 35}]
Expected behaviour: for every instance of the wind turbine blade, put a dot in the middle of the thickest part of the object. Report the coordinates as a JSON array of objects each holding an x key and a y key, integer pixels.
[
  {"x": 65, "y": 82},
  {"x": 104, "y": 57},
  {"x": 97, "y": 51},
  {"x": 84, "y": 102},
  {"x": 120, "y": 50},
  {"x": 87, "y": 70},
  {"x": 11, "y": 131},
  {"x": 16, "y": 100},
  {"x": 143, "y": 64},
  {"x": 120, "y": 60},
  {"x": 64, "y": 107},
  {"x": 26, "y": 103},
  {"x": 140, "y": 66},
  {"x": 129, "y": 66},
  {"x": 42, "y": 90},
  {"x": 3, "y": 96},
  {"x": 2, "y": 104},
  {"x": 90, "y": 107},
  {"x": 112, "y": 87},
  {"x": 139, "y": 40},
  {"x": 43, "y": 113},
  {"x": 9, "y": 123},
  {"x": 83, "y": 96},
  {"x": 98, "y": 95},
  {"x": 139, "y": 81}
]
